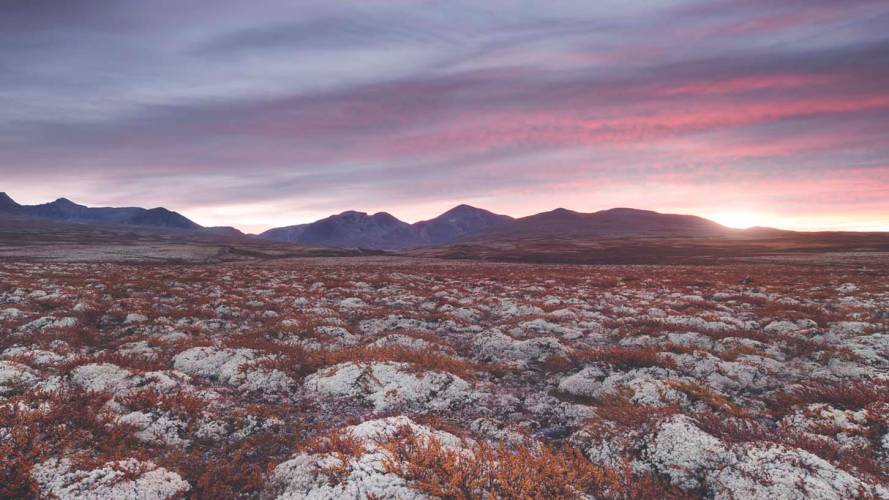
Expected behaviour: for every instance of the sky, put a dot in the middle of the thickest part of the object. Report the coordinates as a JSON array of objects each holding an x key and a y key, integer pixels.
[{"x": 271, "y": 113}]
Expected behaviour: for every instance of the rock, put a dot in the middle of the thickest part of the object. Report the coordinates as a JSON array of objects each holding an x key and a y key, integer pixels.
[
  {"x": 392, "y": 322},
  {"x": 265, "y": 381},
  {"x": 785, "y": 327},
  {"x": 691, "y": 339},
  {"x": 233, "y": 367},
  {"x": 352, "y": 303},
  {"x": 307, "y": 476},
  {"x": 10, "y": 313},
  {"x": 47, "y": 322},
  {"x": 874, "y": 349},
  {"x": 847, "y": 328},
  {"x": 140, "y": 349},
  {"x": 542, "y": 326},
  {"x": 818, "y": 416},
  {"x": 213, "y": 363},
  {"x": 405, "y": 341},
  {"x": 125, "y": 479},
  {"x": 15, "y": 377},
  {"x": 134, "y": 318},
  {"x": 722, "y": 375},
  {"x": 768, "y": 471},
  {"x": 104, "y": 377},
  {"x": 495, "y": 346},
  {"x": 646, "y": 385},
  {"x": 386, "y": 385},
  {"x": 36, "y": 357},
  {"x": 684, "y": 453},
  {"x": 339, "y": 333},
  {"x": 156, "y": 428}
]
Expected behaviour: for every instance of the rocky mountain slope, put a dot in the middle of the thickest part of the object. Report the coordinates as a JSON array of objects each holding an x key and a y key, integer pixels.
[
  {"x": 613, "y": 223},
  {"x": 466, "y": 224},
  {"x": 382, "y": 230},
  {"x": 358, "y": 229},
  {"x": 458, "y": 222},
  {"x": 64, "y": 209}
]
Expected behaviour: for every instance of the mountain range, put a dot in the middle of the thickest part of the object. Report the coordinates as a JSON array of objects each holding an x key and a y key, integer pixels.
[
  {"x": 384, "y": 231},
  {"x": 612, "y": 223},
  {"x": 462, "y": 224},
  {"x": 66, "y": 210}
]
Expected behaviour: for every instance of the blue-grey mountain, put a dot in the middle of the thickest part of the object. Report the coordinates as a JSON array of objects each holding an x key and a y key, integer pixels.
[
  {"x": 66, "y": 210},
  {"x": 383, "y": 231}
]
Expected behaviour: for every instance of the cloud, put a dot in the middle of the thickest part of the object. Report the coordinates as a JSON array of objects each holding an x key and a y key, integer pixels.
[{"x": 368, "y": 104}]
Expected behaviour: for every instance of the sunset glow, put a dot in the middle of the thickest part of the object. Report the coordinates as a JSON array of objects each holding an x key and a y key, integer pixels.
[
  {"x": 744, "y": 220},
  {"x": 752, "y": 113},
  {"x": 444, "y": 249}
]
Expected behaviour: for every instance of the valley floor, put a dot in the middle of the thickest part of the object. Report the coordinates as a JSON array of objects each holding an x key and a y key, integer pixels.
[{"x": 413, "y": 378}]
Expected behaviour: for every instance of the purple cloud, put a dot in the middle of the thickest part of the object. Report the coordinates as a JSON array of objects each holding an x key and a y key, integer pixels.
[{"x": 315, "y": 108}]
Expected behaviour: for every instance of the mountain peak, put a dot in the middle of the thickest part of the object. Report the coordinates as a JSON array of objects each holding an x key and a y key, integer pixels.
[
  {"x": 612, "y": 223},
  {"x": 65, "y": 202},
  {"x": 160, "y": 216},
  {"x": 384, "y": 230},
  {"x": 559, "y": 214},
  {"x": 629, "y": 211},
  {"x": 456, "y": 223},
  {"x": 464, "y": 210},
  {"x": 385, "y": 216},
  {"x": 7, "y": 203},
  {"x": 463, "y": 207},
  {"x": 352, "y": 213}
]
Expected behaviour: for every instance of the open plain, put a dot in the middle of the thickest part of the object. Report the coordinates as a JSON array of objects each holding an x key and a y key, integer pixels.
[{"x": 390, "y": 377}]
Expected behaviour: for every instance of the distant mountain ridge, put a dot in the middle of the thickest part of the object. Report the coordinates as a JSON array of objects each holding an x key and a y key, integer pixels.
[
  {"x": 384, "y": 231},
  {"x": 458, "y": 222},
  {"x": 66, "y": 210},
  {"x": 7, "y": 204},
  {"x": 612, "y": 223},
  {"x": 463, "y": 224}
]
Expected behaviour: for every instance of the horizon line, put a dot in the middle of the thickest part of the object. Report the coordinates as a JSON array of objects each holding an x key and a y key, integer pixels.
[{"x": 255, "y": 232}]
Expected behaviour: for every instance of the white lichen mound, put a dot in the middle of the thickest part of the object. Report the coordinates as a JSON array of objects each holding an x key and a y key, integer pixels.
[
  {"x": 307, "y": 476},
  {"x": 496, "y": 346},
  {"x": 47, "y": 322},
  {"x": 158, "y": 429},
  {"x": 134, "y": 318},
  {"x": 399, "y": 340},
  {"x": 104, "y": 377},
  {"x": 646, "y": 385},
  {"x": 232, "y": 366},
  {"x": 125, "y": 480},
  {"x": 771, "y": 472},
  {"x": 724, "y": 375},
  {"x": 14, "y": 377},
  {"x": 684, "y": 453},
  {"x": 35, "y": 357},
  {"x": 213, "y": 363},
  {"x": 818, "y": 416},
  {"x": 385, "y": 385}
]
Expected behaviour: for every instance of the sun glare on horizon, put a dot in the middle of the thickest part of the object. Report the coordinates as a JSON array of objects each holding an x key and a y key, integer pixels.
[{"x": 743, "y": 219}]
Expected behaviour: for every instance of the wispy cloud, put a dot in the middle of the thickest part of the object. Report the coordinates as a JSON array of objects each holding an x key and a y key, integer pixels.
[{"x": 314, "y": 108}]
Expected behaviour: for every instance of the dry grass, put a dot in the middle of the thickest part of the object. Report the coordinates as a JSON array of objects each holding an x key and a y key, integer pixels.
[
  {"x": 262, "y": 430},
  {"x": 42, "y": 426},
  {"x": 494, "y": 470},
  {"x": 618, "y": 357},
  {"x": 851, "y": 395},
  {"x": 711, "y": 398}
]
